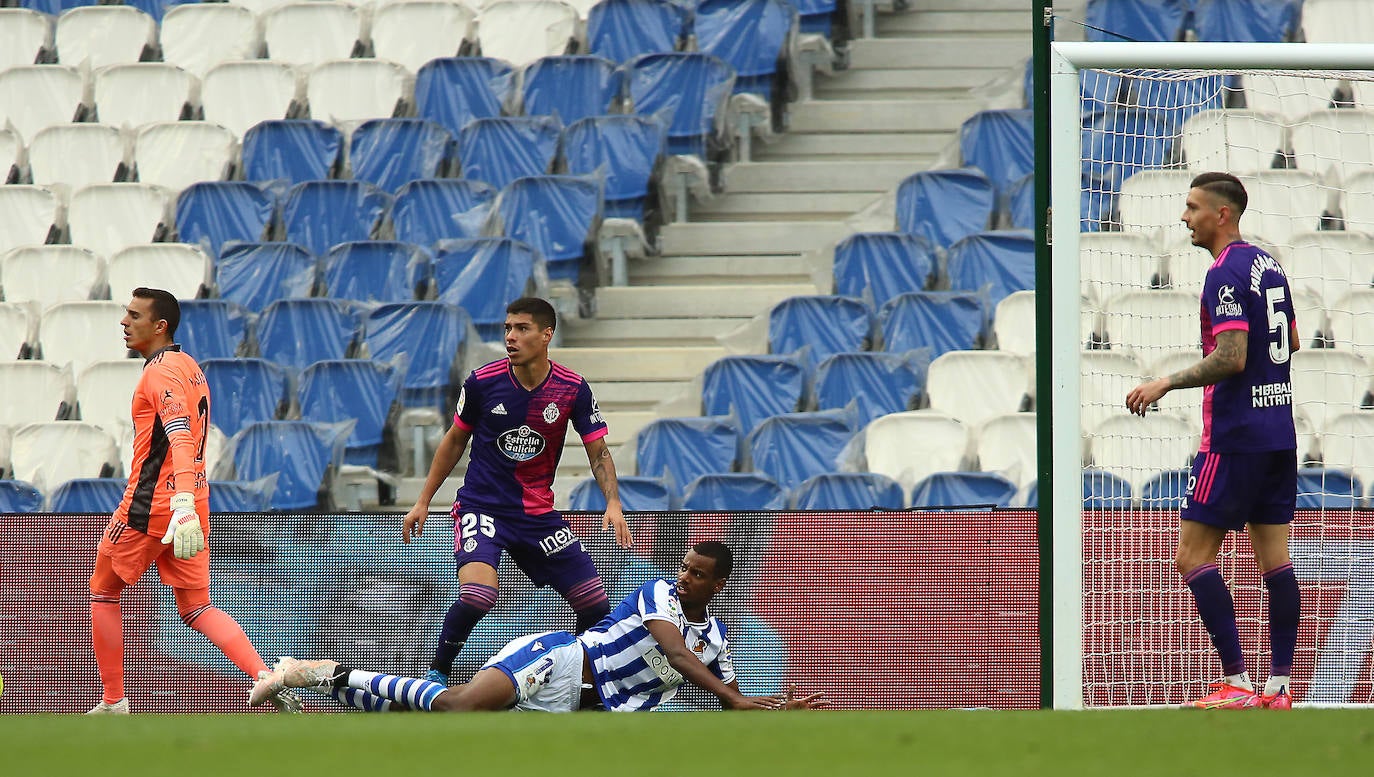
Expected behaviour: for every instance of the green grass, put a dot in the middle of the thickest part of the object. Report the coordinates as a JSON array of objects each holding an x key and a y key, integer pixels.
[{"x": 984, "y": 743}]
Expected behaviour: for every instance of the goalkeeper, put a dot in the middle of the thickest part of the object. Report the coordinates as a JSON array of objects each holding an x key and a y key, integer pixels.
[{"x": 163, "y": 516}]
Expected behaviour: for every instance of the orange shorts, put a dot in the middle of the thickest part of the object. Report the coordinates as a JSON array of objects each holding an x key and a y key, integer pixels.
[{"x": 131, "y": 552}]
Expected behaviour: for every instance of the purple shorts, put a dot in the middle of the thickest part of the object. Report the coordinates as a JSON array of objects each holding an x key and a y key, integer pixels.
[
  {"x": 544, "y": 546},
  {"x": 1229, "y": 490}
]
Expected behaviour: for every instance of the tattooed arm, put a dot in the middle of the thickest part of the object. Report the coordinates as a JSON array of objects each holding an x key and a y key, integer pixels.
[
  {"x": 603, "y": 469},
  {"x": 1227, "y": 359}
]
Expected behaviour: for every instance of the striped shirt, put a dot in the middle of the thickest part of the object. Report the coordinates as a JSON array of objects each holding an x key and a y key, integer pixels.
[{"x": 632, "y": 673}]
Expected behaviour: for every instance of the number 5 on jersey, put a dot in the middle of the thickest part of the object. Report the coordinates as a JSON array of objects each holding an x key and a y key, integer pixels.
[{"x": 471, "y": 523}]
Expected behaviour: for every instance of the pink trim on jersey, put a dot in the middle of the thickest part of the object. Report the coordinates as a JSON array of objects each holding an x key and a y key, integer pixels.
[
  {"x": 1227, "y": 326},
  {"x": 460, "y": 423},
  {"x": 1206, "y": 444},
  {"x": 488, "y": 370},
  {"x": 1205, "y": 478},
  {"x": 1222, "y": 256},
  {"x": 597, "y": 434},
  {"x": 564, "y": 373}
]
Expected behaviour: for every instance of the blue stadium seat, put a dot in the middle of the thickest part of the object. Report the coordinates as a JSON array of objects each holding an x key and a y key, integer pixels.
[
  {"x": 212, "y": 328},
  {"x": 557, "y": 215},
  {"x": 963, "y": 489},
  {"x": 733, "y": 491},
  {"x": 1000, "y": 143},
  {"x": 91, "y": 496},
  {"x": 455, "y": 90},
  {"x": 154, "y": 8},
  {"x": 1003, "y": 260},
  {"x": 879, "y": 383},
  {"x": 627, "y": 150},
  {"x": 358, "y": 389},
  {"x": 481, "y": 276},
  {"x": 212, "y": 213},
  {"x": 244, "y": 391},
  {"x": 294, "y": 150},
  {"x": 823, "y": 324},
  {"x": 848, "y": 491},
  {"x": 376, "y": 271},
  {"x": 431, "y": 335},
  {"x": 686, "y": 448},
  {"x": 1105, "y": 491},
  {"x": 816, "y": 16},
  {"x": 255, "y": 275},
  {"x": 1117, "y": 144},
  {"x": 322, "y": 214},
  {"x": 1329, "y": 489},
  {"x": 299, "y": 332},
  {"x": 878, "y": 266},
  {"x": 1021, "y": 204},
  {"x": 1165, "y": 491},
  {"x": 638, "y": 494},
  {"x": 691, "y": 88},
  {"x": 1246, "y": 21},
  {"x": 792, "y": 447},
  {"x": 240, "y": 496},
  {"x": 749, "y": 35},
  {"x": 944, "y": 206},
  {"x": 500, "y": 150},
  {"x": 392, "y": 152},
  {"x": 55, "y": 7},
  {"x": 621, "y": 30},
  {"x": 16, "y": 496},
  {"x": 303, "y": 453},
  {"x": 939, "y": 320},
  {"x": 571, "y": 88},
  {"x": 428, "y": 211},
  {"x": 1139, "y": 20},
  {"x": 1174, "y": 102},
  {"x": 753, "y": 388}
]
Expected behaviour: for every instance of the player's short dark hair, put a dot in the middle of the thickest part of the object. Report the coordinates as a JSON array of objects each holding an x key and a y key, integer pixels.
[
  {"x": 538, "y": 309},
  {"x": 720, "y": 553},
  {"x": 1226, "y": 186},
  {"x": 165, "y": 307}
]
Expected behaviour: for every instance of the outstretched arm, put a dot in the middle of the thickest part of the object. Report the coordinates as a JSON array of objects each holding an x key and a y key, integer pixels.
[
  {"x": 603, "y": 469},
  {"x": 687, "y": 664},
  {"x": 446, "y": 457},
  {"x": 791, "y": 701},
  {"x": 1227, "y": 359}
]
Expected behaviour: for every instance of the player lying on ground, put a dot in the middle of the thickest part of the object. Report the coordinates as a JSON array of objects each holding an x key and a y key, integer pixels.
[{"x": 634, "y": 659}]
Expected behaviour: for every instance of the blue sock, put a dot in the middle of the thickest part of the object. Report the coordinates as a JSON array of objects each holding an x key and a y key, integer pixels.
[
  {"x": 1218, "y": 612},
  {"x": 474, "y": 601},
  {"x": 412, "y": 692},
  {"x": 362, "y": 700},
  {"x": 1285, "y": 605}
]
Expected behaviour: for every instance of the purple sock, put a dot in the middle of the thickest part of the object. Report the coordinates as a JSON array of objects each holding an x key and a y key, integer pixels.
[
  {"x": 474, "y": 601},
  {"x": 1285, "y": 604},
  {"x": 1218, "y": 614}
]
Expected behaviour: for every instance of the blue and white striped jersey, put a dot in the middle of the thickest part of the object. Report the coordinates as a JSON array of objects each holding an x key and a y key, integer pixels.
[{"x": 631, "y": 671}]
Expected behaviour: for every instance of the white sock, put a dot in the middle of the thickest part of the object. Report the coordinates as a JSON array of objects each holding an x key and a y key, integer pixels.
[
  {"x": 1241, "y": 680},
  {"x": 1275, "y": 684}
]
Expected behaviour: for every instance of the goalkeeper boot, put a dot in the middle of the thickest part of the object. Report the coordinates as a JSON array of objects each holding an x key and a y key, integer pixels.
[
  {"x": 120, "y": 707},
  {"x": 286, "y": 701},
  {"x": 435, "y": 676},
  {"x": 1224, "y": 697}
]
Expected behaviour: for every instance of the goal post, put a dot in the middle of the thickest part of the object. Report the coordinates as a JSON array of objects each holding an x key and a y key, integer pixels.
[{"x": 1170, "y": 68}]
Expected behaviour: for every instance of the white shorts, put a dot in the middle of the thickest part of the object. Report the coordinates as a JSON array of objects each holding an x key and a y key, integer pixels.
[{"x": 546, "y": 670}]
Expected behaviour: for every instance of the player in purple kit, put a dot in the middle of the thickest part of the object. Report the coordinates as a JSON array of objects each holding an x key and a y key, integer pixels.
[
  {"x": 1245, "y": 472},
  {"x": 516, "y": 413}
]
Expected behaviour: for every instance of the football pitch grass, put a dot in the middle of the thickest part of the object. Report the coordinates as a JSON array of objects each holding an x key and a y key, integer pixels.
[{"x": 983, "y": 743}]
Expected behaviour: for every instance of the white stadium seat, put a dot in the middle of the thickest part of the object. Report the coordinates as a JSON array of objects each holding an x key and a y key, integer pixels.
[
  {"x": 1288, "y": 96},
  {"x": 33, "y": 97},
  {"x": 1349, "y": 445},
  {"x": 142, "y": 93},
  {"x": 1013, "y": 323},
  {"x": 1107, "y": 377},
  {"x": 1137, "y": 448},
  {"x": 24, "y": 34},
  {"x": 909, "y": 446},
  {"x": 412, "y": 32},
  {"x": 1351, "y": 324},
  {"x": 353, "y": 90},
  {"x": 1006, "y": 445},
  {"x": 308, "y": 33},
  {"x": 1283, "y": 203},
  {"x": 49, "y": 454},
  {"x": 104, "y": 389},
  {"x": 198, "y": 36},
  {"x": 237, "y": 95},
  {"x": 1235, "y": 140},
  {"x": 1148, "y": 323},
  {"x": 1113, "y": 263},
  {"x": 1357, "y": 204},
  {"x": 78, "y": 154},
  {"x": 522, "y": 31},
  {"x": 179, "y": 268},
  {"x": 973, "y": 386},
  {"x": 1330, "y": 264},
  {"x": 110, "y": 216},
  {"x": 18, "y": 326},
  {"x": 1183, "y": 403},
  {"x": 79, "y": 333},
  {"x": 1151, "y": 202},
  {"x": 1327, "y": 383},
  {"x": 176, "y": 154},
  {"x": 11, "y": 156},
  {"x": 1309, "y": 447},
  {"x": 1338, "y": 21},
  {"x": 35, "y": 392},
  {"x": 49, "y": 274},
  {"x": 260, "y": 7},
  {"x": 1335, "y": 143},
  {"x": 100, "y": 35},
  {"x": 28, "y": 215}
]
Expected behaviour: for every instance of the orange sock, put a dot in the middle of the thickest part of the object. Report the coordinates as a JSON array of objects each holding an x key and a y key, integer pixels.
[
  {"x": 220, "y": 629},
  {"x": 107, "y": 628}
]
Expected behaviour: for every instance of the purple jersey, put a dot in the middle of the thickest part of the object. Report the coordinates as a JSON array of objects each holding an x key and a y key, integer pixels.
[
  {"x": 1250, "y": 412},
  {"x": 517, "y": 435}
]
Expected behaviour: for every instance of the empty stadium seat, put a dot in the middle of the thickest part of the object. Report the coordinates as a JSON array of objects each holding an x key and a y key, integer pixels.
[
  {"x": 571, "y": 88},
  {"x": 357, "y": 389},
  {"x": 1105, "y": 491},
  {"x": 621, "y": 30},
  {"x": 305, "y": 455},
  {"x": 432, "y": 336},
  {"x": 350, "y": 90},
  {"x": 17, "y": 324},
  {"x": 1165, "y": 490},
  {"x": 1283, "y": 203},
  {"x": 878, "y": 266},
  {"x": 1141, "y": 20},
  {"x": 1329, "y": 264},
  {"x": 1117, "y": 262},
  {"x": 1352, "y": 323},
  {"x": 28, "y": 215},
  {"x": 1289, "y": 96},
  {"x": 521, "y": 32},
  {"x": 878, "y": 383},
  {"x": 321, "y": 214},
  {"x": 455, "y": 90},
  {"x": 1151, "y": 202},
  {"x": 238, "y": 95},
  {"x": 103, "y": 390},
  {"x": 1329, "y": 489},
  {"x": 245, "y": 391},
  {"x": 753, "y": 388},
  {"x": 733, "y": 491},
  {"x": 298, "y": 332},
  {"x": 48, "y": 274},
  {"x": 939, "y": 320},
  {"x": 101, "y": 35},
  {"x": 999, "y": 143},
  {"x": 1328, "y": 383},
  {"x": 92, "y": 496},
  {"x": 237, "y": 496},
  {"x": 392, "y": 152},
  {"x": 822, "y": 324},
  {"x": 684, "y": 449},
  {"x": 255, "y": 275},
  {"x": 1136, "y": 448},
  {"x": 49, "y": 454},
  {"x": 1013, "y": 323},
  {"x": 307, "y": 34},
  {"x": 637, "y": 494},
  {"x": 750, "y": 36},
  {"x": 109, "y": 217},
  {"x": 1255, "y": 21},
  {"x": 1336, "y": 21},
  {"x": 413, "y": 32},
  {"x": 77, "y": 154},
  {"x": 1358, "y": 204},
  {"x": 692, "y": 88},
  {"x": 212, "y": 213},
  {"x": 212, "y": 328},
  {"x": 973, "y": 386},
  {"x": 376, "y": 271},
  {"x": 848, "y": 491},
  {"x": 1147, "y": 323},
  {"x": 1006, "y": 445},
  {"x": 481, "y": 276},
  {"x": 198, "y": 36},
  {"x": 1238, "y": 140},
  {"x": 1347, "y": 445},
  {"x": 38, "y": 391},
  {"x": 293, "y": 150},
  {"x": 16, "y": 496},
  {"x": 792, "y": 447},
  {"x": 37, "y": 96},
  {"x": 625, "y": 150},
  {"x": 963, "y": 489},
  {"x": 557, "y": 215},
  {"x": 426, "y": 212},
  {"x": 24, "y": 36},
  {"x": 82, "y": 332},
  {"x": 132, "y": 95},
  {"x": 1020, "y": 206},
  {"x": 499, "y": 150},
  {"x": 176, "y": 154},
  {"x": 11, "y": 157},
  {"x": 1108, "y": 377},
  {"x": 945, "y": 206},
  {"x": 1005, "y": 261},
  {"x": 183, "y": 270}
]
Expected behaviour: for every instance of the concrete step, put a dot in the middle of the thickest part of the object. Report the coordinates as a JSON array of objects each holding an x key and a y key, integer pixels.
[
  {"x": 638, "y": 394},
  {"x": 690, "y": 302},
  {"x": 938, "y": 82},
  {"x": 638, "y": 364},
  {"x": 823, "y": 176},
  {"x": 705, "y": 270},
  {"x": 749, "y": 238},
  {"x": 951, "y": 52},
  {"x": 885, "y": 116},
  {"x": 648, "y": 332},
  {"x": 961, "y": 21},
  {"x": 922, "y": 146},
  {"x": 916, "y": 7},
  {"x": 784, "y": 205}
]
